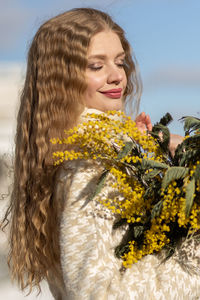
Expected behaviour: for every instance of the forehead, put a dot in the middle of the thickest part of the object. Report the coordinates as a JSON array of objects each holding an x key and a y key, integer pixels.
[{"x": 105, "y": 42}]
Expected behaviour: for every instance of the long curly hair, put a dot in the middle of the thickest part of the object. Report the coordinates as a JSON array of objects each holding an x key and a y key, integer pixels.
[{"x": 51, "y": 101}]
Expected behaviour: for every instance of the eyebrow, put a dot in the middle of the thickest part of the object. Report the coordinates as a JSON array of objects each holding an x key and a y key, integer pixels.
[{"x": 100, "y": 56}]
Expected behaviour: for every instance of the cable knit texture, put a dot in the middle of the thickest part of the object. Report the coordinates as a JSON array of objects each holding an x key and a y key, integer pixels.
[{"x": 89, "y": 267}]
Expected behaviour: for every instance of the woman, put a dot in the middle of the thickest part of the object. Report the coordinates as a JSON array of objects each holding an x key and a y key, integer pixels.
[{"x": 78, "y": 61}]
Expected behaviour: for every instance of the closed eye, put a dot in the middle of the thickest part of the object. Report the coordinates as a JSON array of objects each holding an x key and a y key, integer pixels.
[
  {"x": 121, "y": 65},
  {"x": 120, "y": 62},
  {"x": 94, "y": 67}
]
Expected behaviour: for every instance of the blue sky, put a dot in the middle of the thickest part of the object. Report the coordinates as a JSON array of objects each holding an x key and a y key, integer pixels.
[{"x": 164, "y": 34}]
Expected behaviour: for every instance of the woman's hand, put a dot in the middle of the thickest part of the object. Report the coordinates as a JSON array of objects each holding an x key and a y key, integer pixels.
[{"x": 143, "y": 122}]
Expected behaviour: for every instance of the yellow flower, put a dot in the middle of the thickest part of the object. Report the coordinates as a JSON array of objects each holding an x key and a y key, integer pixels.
[{"x": 104, "y": 137}]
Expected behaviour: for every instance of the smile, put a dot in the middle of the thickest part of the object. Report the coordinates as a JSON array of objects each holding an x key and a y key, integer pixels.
[{"x": 114, "y": 93}]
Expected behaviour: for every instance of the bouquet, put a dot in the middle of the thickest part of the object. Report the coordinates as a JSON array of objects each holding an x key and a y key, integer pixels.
[{"x": 161, "y": 192}]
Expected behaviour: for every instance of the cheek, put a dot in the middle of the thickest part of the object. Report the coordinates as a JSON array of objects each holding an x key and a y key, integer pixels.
[
  {"x": 95, "y": 82},
  {"x": 125, "y": 78}
]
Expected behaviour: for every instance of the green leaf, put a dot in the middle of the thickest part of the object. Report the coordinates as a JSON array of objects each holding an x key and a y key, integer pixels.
[
  {"x": 189, "y": 156},
  {"x": 174, "y": 173},
  {"x": 99, "y": 185},
  {"x": 130, "y": 171},
  {"x": 151, "y": 174},
  {"x": 180, "y": 150},
  {"x": 119, "y": 223},
  {"x": 156, "y": 209},
  {"x": 197, "y": 173},
  {"x": 189, "y": 196},
  {"x": 148, "y": 192},
  {"x": 161, "y": 132},
  {"x": 129, "y": 168},
  {"x": 152, "y": 164},
  {"x": 192, "y": 140},
  {"x": 155, "y": 135},
  {"x": 138, "y": 231},
  {"x": 121, "y": 250},
  {"x": 190, "y": 124},
  {"x": 166, "y": 119},
  {"x": 126, "y": 150}
]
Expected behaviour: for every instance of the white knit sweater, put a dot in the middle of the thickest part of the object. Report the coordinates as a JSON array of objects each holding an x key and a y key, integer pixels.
[{"x": 89, "y": 267}]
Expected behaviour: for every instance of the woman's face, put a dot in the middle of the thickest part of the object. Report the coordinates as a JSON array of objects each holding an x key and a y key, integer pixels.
[{"x": 105, "y": 75}]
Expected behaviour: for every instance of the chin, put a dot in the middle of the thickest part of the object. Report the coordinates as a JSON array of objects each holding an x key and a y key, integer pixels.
[{"x": 116, "y": 106}]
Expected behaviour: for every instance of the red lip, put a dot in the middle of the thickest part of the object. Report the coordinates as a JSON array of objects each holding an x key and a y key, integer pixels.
[{"x": 113, "y": 93}]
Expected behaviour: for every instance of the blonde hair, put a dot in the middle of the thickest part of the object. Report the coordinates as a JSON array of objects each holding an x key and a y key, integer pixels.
[{"x": 51, "y": 101}]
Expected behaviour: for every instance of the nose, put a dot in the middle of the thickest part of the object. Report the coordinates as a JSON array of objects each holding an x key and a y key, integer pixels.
[{"x": 115, "y": 74}]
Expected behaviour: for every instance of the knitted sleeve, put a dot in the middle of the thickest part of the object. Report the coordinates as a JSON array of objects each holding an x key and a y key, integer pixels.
[{"x": 90, "y": 268}]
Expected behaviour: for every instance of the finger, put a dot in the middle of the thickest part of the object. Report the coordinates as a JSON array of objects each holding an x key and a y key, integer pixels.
[
  {"x": 140, "y": 117},
  {"x": 148, "y": 123}
]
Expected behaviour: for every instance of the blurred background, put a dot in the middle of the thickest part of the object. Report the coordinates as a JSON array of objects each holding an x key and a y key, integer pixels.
[{"x": 165, "y": 37}]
